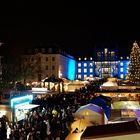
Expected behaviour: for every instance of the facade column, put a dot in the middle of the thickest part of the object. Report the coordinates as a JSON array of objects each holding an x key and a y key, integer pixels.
[
  {"x": 62, "y": 87},
  {"x": 58, "y": 87},
  {"x": 48, "y": 85}
]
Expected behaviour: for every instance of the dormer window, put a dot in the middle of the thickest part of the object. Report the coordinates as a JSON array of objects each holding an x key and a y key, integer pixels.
[{"x": 43, "y": 50}]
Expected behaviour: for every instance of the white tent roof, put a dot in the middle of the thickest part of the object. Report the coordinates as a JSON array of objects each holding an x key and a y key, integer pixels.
[
  {"x": 111, "y": 85},
  {"x": 28, "y": 106}
]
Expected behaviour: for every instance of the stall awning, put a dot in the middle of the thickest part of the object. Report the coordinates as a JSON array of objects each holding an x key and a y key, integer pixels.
[{"x": 28, "y": 106}]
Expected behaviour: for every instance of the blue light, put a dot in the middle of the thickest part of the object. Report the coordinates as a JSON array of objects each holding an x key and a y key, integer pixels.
[
  {"x": 20, "y": 100},
  {"x": 71, "y": 69}
]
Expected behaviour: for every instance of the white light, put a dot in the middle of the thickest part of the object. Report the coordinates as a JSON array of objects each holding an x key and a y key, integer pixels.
[
  {"x": 39, "y": 89},
  {"x": 2, "y": 113}
]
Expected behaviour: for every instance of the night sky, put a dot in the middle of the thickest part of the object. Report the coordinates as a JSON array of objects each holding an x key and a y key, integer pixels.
[{"x": 77, "y": 30}]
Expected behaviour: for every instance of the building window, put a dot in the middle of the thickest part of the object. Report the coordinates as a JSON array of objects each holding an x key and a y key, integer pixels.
[
  {"x": 32, "y": 59},
  {"x": 126, "y": 70},
  {"x": 85, "y": 70},
  {"x": 46, "y": 67},
  {"x": 121, "y": 64},
  {"x": 39, "y": 59},
  {"x": 90, "y": 75},
  {"x": 79, "y": 70},
  {"x": 79, "y": 76},
  {"x": 85, "y": 64},
  {"x": 53, "y": 58},
  {"x": 91, "y": 64},
  {"x": 43, "y": 50},
  {"x": 53, "y": 67},
  {"x": 127, "y": 64},
  {"x": 79, "y": 64},
  {"x": 50, "y": 50},
  {"x": 105, "y": 50},
  {"x": 98, "y": 55},
  {"x": 85, "y": 75},
  {"x": 46, "y": 58},
  {"x": 39, "y": 68},
  {"x": 121, "y": 76},
  {"x": 121, "y": 69},
  {"x": 91, "y": 70}
]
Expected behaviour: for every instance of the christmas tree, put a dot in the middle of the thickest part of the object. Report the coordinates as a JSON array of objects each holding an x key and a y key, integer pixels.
[{"x": 134, "y": 66}]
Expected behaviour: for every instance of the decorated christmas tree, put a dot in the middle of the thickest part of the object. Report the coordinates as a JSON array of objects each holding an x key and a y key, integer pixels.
[{"x": 134, "y": 66}]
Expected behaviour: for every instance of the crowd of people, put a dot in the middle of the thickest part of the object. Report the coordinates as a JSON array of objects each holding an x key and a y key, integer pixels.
[{"x": 50, "y": 121}]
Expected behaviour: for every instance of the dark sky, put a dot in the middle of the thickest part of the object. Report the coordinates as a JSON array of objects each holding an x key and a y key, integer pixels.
[{"x": 76, "y": 29}]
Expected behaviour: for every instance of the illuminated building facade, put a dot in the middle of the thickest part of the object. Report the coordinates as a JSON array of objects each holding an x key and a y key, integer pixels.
[
  {"x": 45, "y": 62},
  {"x": 104, "y": 64},
  {"x": 53, "y": 61}
]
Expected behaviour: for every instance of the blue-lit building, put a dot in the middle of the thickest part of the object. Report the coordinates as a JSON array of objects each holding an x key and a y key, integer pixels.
[{"x": 104, "y": 63}]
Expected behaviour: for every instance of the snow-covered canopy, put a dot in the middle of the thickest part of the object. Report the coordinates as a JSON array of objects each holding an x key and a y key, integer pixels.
[{"x": 109, "y": 85}]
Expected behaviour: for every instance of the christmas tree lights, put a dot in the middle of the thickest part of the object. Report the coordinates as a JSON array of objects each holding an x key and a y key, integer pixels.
[{"x": 134, "y": 66}]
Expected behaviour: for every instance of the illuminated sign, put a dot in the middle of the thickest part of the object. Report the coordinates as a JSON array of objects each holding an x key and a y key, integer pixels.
[{"x": 20, "y": 100}]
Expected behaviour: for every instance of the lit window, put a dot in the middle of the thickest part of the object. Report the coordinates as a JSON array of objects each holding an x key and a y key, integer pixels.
[
  {"x": 85, "y": 64},
  {"x": 79, "y": 76},
  {"x": 121, "y": 64},
  {"x": 112, "y": 53},
  {"x": 121, "y": 69},
  {"x": 53, "y": 58},
  {"x": 79, "y": 64},
  {"x": 90, "y": 75},
  {"x": 127, "y": 64},
  {"x": 85, "y": 70},
  {"x": 79, "y": 70},
  {"x": 121, "y": 76},
  {"x": 91, "y": 64},
  {"x": 90, "y": 58},
  {"x": 106, "y": 50},
  {"x": 91, "y": 70},
  {"x": 85, "y": 58},
  {"x": 79, "y": 58},
  {"x": 85, "y": 75}
]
